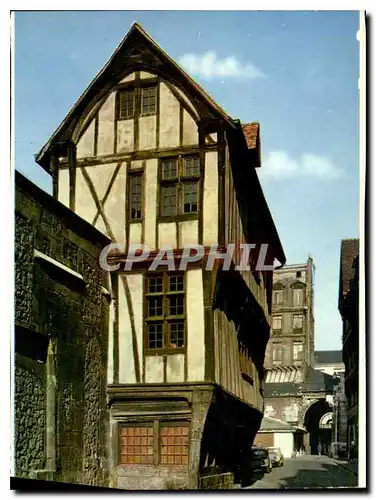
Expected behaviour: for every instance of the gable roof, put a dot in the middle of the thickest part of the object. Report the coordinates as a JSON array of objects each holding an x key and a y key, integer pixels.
[
  {"x": 128, "y": 55},
  {"x": 328, "y": 357}
]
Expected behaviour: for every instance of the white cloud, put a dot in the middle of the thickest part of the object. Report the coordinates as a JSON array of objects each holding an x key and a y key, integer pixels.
[
  {"x": 280, "y": 165},
  {"x": 209, "y": 66}
]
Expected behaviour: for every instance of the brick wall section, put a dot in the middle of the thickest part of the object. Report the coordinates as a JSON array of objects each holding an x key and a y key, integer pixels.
[
  {"x": 74, "y": 315},
  {"x": 217, "y": 482}
]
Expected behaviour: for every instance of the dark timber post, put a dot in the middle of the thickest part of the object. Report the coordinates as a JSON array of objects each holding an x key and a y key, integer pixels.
[{"x": 72, "y": 175}]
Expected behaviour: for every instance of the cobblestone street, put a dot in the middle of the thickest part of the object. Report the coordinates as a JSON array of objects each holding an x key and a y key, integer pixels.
[{"x": 308, "y": 471}]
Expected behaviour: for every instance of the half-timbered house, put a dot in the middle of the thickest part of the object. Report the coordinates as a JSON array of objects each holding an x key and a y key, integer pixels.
[{"x": 148, "y": 158}]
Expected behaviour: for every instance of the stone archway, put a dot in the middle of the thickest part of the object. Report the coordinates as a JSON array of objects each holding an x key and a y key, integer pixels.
[{"x": 318, "y": 422}]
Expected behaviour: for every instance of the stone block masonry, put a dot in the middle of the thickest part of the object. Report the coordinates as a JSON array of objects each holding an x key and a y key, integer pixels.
[{"x": 61, "y": 336}]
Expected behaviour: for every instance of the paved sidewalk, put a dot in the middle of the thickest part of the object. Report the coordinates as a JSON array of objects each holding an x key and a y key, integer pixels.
[{"x": 350, "y": 465}]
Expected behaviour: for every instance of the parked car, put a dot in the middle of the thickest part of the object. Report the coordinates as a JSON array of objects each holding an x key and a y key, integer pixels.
[
  {"x": 276, "y": 456},
  {"x": 260, "y": 459}
]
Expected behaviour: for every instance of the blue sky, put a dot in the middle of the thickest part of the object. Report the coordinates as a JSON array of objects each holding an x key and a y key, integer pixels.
[{"x": 294, "y": 72}]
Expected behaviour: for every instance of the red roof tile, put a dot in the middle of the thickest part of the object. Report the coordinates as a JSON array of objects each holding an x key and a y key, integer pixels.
[{"x": 251, "y": 131}]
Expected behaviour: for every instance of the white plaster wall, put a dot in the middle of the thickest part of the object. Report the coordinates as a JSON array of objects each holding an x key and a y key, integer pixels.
[
  {"x": 126, "y": 360},
  {"x": 85, "y": 205},
  {"x": 167, "y": 234},
  {"x": 153, "y": 369},
  {"x": 188, "y": 103},
  {"x": 195, "y": 326},
  {"x": 169, "y": 128},
  {"x": 125, "y": 136},
  {"x": 190, "y": 132},
  {"x": 188, "y": 233},
  {"x": 147, "y": 132},
  {"x": 63, "y": 192},
  {"x": 106, "y": 126},
  {"x": 101, "y": 177},
  {"x": 136, "y": 164},
  {"x": 115, "y": 205},
  {"x": 284, "y": 441},
  {"x": 145, "y": 74},
  {"x": 128, "y": 78},
  {"x": 135, "y": 231},
  {"x": 85, "y": 146},
  {"x": 150, "y": 216},
  {"x": 175, "y": 368},
  {"x": 210, "y": 209}
]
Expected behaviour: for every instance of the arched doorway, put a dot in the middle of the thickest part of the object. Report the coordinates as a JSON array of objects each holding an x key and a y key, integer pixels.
[{"x": 318, "y": 422}]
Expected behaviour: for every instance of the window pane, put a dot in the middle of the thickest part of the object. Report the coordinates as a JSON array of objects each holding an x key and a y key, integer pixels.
[
  {"x": 190, "y": 197},
  {"x": 169, "y": 168},
  {"x": 126, "y": 104},
  {"x": 277, "y": 297},
  {"x": 155, "y": 284},
  {"x": 155, "y": 306},
  {"x": 297, "y": 351},
  {"x": 277, "y": 323},
  {"x": 155, "y": 336},
  {"x": 130, "y": 450},
  {"x": 176, "y": 283},
  {"x": 148, "y": 100},
  {"x": 191, "y": 165},
  {"x": 169, "y": 199},
  {"x": 277, "y": 352},
  {"x": 298, "y": 296},
  {"x": 176, "y": 334},
  {"x": 298, "y": 321},
  {"x": 174, "y": 444},
  {"x": 136, "y": 196},
  {"x": 176, "y": 305}
]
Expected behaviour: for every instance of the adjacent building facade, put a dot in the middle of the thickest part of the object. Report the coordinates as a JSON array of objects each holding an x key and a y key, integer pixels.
[
  {"x": 61, "y": 342},
  {"x": 348, "y": 305},
  {"x": 147, "y": 158},
  {"x": 292, "y": 337},
  {"x": 330, "y": 362},
  {"x": 295, "y": 391}
]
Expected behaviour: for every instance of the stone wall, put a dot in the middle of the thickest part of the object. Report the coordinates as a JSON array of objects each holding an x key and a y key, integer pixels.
[
  {"x": 30, "y": 418},
  {"x": 70, "y": 311},
  {"x": 217, "y": 482}
]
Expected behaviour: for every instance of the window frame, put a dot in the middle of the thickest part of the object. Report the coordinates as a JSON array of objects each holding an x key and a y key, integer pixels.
[
  {"x": 156, "y": 426},
  {"x": 124, "y": 90},
  {"x": 277, "y": 293},
  {"x": 297, "y": 328},
  {"x": 279, "y": 316},
  {"x": 295, "y": 290},
  {"x": 131, "y": 175},
  {"x": 279, "y": 346},
  {"x": 165, "y": 319},
  {"x": 297, "y": 343},
  {"x": 137, "y": 88},
  {"x": 142, "y": 88},
  {"x": 179, "y": 181}
]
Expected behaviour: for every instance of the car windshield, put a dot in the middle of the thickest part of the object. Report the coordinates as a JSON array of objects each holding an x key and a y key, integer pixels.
[{"x": 259, "y": 452}]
